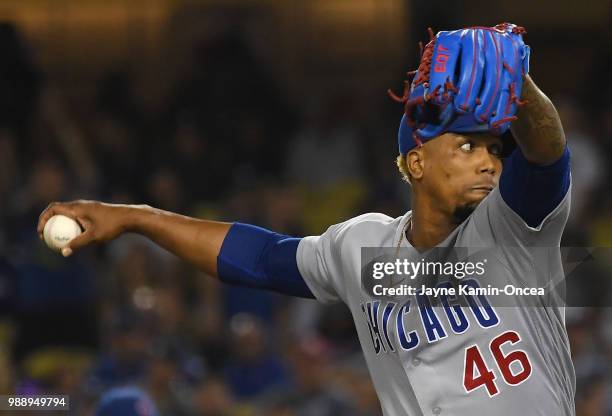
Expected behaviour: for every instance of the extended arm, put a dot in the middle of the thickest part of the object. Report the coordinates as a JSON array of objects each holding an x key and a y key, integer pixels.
[
  {"x": 236, "y": 253},
  {"x": 193, "y": 240},
  {"x": 536, "y": 177}
]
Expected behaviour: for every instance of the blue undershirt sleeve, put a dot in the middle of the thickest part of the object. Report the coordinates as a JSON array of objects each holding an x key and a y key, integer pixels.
[
  {"x": 255, "y": 257},
  {"x": 534, "y": 191}
]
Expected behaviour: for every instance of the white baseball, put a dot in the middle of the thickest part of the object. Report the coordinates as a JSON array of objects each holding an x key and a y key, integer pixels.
[{"x": 59, "y": 230}]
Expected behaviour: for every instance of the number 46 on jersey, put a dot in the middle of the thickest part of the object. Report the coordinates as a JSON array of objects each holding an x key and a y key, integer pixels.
[{"x": 477, "y": 373}]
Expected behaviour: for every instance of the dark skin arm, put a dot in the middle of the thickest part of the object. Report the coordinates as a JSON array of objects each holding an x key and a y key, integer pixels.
[
  {"x": 195, "y": 241},
  {"x": 538, "y": 130}
]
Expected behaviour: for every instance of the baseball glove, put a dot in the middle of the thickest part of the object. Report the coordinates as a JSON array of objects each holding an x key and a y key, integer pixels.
[{"x": 468, "y": 80}]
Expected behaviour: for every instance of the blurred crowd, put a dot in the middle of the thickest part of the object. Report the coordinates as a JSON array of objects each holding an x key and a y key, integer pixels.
[{"x": 222, "y": 146}]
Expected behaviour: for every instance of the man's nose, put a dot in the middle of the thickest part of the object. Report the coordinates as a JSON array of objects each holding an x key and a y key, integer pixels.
[{"x": 488, "y": 162}]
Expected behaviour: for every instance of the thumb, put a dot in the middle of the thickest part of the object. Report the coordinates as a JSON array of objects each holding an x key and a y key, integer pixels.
[
  {"x": 77, "y": 242},
  {"x": 82, "y": 239}
]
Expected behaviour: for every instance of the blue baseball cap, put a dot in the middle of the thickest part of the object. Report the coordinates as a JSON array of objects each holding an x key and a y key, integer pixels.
[{"x": 461, "y": 124}]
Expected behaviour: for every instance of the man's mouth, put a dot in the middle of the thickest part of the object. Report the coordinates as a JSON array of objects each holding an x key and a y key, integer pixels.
[{"x": 484, "y": 188}]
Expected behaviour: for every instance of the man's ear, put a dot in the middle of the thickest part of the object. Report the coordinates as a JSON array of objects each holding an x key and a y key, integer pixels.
[{"x": 415, "y": 162}]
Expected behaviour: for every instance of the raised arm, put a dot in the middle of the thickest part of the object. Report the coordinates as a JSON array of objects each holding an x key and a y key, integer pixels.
[
  {"x": 538, "y": 130},
  {"x": 536, "y": 177},
  {"x": 195, "y": 241}
]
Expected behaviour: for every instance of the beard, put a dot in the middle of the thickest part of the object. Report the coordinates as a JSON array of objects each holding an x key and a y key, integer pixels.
[{"x": 461, "y": 213}]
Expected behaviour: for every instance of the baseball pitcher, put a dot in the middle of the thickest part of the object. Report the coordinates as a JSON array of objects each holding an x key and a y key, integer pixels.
[{"x": 425, "y": 358}]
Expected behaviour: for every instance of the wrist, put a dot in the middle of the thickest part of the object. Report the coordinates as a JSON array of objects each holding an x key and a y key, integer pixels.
[{"x": 135, "y": 217}]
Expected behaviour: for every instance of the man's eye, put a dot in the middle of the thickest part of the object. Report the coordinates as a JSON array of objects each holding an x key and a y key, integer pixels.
[
  {"x": 467, "y": 147},
  {"x": 496, "y": 150}
]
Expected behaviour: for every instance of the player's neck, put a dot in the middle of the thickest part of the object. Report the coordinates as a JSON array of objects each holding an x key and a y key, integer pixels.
[{"x": 428, "y": 227}]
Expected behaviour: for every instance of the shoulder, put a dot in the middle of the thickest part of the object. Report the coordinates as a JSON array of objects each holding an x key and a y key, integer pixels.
[
  {"x": 325, "y": 260},
  {"x": 367, "y": 229},
  {"x": 368, "y": 221},
  {"x": 370, "y": 229}
]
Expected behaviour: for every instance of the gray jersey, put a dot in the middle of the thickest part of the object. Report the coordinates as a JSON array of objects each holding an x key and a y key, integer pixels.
[{"x": 507, "y": 361}]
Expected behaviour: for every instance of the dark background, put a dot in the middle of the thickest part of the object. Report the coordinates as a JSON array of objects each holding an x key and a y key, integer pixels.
[{"x": 267, "y": 112}]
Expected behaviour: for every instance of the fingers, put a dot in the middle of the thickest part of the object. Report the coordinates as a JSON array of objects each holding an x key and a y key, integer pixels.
[
  {"x": 470, "y": 78},
  {"x": 78, "y": 242},
  {"x": 510, "y": 84},
  {"x": 492, "y": 78},
  {"x": 52, "y": 209},
  {"x": 69, "y": 209},
  {"x": 513, "y": 50},
  {"x": 444, "y": 60}
]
